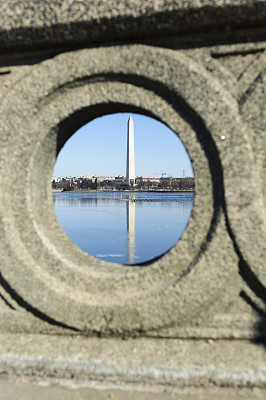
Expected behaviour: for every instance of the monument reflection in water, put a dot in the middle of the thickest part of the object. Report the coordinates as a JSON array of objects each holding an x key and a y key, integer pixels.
[
  {"x": 126, "y": 228},
  {"x": 130, "y": 205}
]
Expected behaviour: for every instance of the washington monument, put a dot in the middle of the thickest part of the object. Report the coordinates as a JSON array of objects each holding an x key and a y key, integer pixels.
[{"x": 130, "y": 175}]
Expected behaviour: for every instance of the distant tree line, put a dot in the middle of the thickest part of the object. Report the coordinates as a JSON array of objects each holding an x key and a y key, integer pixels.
[
  {"x": 142, "y": 184},
  {"x": 84, "y": 184},
  {"x": 167, "y": 183}
]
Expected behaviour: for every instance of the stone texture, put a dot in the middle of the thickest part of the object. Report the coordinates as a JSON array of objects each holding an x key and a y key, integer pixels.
[
  {"x": 168, "y": 363},
  {"x": 69, "y": 22},
  {"x": 54, "y": 98},
  {"x": 51, "y": 390},
  {"x": 197, "y": 66}
]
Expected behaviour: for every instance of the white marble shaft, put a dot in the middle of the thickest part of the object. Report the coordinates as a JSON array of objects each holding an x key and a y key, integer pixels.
[{"x": 130, "y": 174}]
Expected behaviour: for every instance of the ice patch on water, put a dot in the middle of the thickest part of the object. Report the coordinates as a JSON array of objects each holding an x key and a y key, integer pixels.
[{"x": 108, "y": 255}]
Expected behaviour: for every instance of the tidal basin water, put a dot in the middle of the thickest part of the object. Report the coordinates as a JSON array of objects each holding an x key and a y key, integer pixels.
[{"x": 124, "y": 227}]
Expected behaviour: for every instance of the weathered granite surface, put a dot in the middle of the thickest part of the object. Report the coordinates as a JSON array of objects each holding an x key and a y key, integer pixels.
[
  {"x": 28, "y": 390},
  {"x": 197, "y": 66},
  {"x": 168, "y": 364},
  {"x": 32, "y": 23}
]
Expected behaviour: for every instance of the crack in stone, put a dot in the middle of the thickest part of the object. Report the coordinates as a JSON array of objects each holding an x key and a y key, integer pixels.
[
  {"x": 22, "y": 303},
  {"x": 7, "y": 302},
  {"x": 249, "y": 91}
]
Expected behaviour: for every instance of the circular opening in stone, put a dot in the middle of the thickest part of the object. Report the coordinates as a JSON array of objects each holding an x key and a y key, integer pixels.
[{"x": 123, "y": 188}]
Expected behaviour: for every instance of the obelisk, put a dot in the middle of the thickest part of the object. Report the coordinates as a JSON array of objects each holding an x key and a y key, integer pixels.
[{"x": 130, "y": 175}]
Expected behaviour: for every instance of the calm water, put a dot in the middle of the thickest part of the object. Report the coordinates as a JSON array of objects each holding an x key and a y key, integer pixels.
[{"x": 127, "y": 228}]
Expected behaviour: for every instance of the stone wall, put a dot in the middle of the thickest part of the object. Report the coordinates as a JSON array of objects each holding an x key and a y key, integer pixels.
[{"x": 199, "y": 67}]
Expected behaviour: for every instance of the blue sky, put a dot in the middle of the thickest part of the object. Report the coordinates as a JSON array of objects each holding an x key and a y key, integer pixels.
[{"x": 99, "y": 148}]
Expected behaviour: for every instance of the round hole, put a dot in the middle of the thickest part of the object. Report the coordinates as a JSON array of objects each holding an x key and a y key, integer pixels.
[{"x": 123, "y": 188}]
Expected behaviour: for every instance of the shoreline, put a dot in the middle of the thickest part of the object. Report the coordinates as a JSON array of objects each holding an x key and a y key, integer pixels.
[{"x": 122, "y": 191}]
